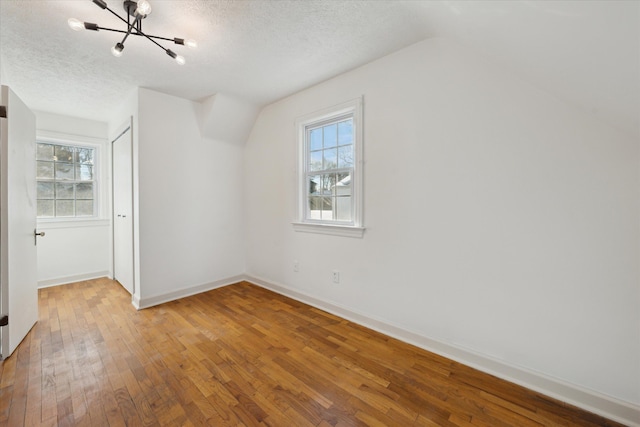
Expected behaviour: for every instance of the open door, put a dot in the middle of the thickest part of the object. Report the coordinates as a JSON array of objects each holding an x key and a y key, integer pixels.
[{"x": 18, "y": 258}]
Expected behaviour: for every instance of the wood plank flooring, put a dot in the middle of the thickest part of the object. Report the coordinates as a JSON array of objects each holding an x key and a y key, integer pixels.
[{"x": 242, "y": 355}]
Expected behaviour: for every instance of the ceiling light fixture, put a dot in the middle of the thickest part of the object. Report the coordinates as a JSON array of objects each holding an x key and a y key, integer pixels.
[{"x": 136, "y": 12}]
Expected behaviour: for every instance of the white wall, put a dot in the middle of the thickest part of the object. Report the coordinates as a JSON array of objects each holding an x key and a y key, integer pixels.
[
  {"x": 74, "y": 250},
  {"x": 499, "y": 220},
  {"x": 188, "y": 201}
]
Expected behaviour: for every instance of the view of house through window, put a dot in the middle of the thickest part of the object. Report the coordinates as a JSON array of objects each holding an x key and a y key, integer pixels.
[{"x": 65, "y": 177}]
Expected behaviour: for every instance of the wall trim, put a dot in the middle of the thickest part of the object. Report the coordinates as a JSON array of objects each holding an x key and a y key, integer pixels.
[
  {"x": 50, "y": 224},
  {"x": 330, "y": 229},
  {"x": 589, "y": 400},
  {"x": 47, "y": 283},
  {"x": 142, "y": 303},
  {"x": 63, "y": 137}
]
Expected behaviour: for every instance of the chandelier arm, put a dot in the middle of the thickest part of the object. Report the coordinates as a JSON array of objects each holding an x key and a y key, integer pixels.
[
  {"x": 125, "y": 38},
  {"x": 111, "y": 29},
  {"x": 125, "y": 32},
  {"x": 161, "y": 38},
  {"x": 133, "y": 26},
  {"x": 137, "y": 33},
  {"x": 118, "y": 16},
  {"x": 151, "y": 40}
]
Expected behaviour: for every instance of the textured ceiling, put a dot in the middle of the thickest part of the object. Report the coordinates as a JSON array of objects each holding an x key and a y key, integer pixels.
[{"x": 585, "y": 53}]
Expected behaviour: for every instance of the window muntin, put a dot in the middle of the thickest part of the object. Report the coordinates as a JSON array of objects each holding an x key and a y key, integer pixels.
[
  {"x": 330, "y": 176},
  {"x": 66, "y": 181}
]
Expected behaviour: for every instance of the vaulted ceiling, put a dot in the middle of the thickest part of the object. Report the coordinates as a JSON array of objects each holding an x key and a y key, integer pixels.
[{"x": 586, "y": 53}]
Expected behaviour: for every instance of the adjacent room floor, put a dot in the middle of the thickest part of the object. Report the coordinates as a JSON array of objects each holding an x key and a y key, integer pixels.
[{"x": 242, "y": 355}]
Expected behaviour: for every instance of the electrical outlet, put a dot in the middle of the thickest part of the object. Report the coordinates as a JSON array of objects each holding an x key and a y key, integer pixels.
[
  {"x": 296, "y": 266},
  {"x": 335, "y": 276}
]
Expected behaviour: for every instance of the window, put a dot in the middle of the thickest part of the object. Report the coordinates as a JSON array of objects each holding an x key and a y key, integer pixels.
[
  {"x": 330, "y": 172},
  {"x": 66, "y": 181}
]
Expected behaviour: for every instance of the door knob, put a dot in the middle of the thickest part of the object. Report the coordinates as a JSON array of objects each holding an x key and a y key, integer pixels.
[{"x": 35, "y": 236}]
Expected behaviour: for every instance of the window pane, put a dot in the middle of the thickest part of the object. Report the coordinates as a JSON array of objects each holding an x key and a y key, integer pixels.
[
  {"x": 84, "y": 191},
  {"x": 64, "y": 207},
  {"x": 327, "y": 208},
  {"x": 345, "y": 132},
  {"x": 84, "y": 207},
  {"x": 44, "y": 152},
  {"x": 330, "y": 158},
  {"x": 345, "y": 156},
  {"x": 63, "y": 153},
  {"x": 84, "y": 155},
  {"x": 316, "y": 139},
  {"x": 327, "y": 183},
  {"x": 315, "y": 207},
  {"x": 45, "y": 208},
  {"x": 64, "y": 171},
  {"x": 330, "y": 136},
  {"x": 315, "y": 184},
  {"x": 84, "y": 172},
  {"x": 343, "y": 208},
  {"x": 44, "y": 170},
  {"x": 45, "y": 191},
  {"x": 315, "y": 162},
  {"x": 64, "y": 191},
  {"x": 344, "y": 180}
]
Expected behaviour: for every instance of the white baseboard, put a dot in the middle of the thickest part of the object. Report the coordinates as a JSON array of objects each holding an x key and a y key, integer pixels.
[
  {"x": 47, "y": 283},
  {"x": 589, "y": 400},
  {"x": 146, "y": 302}
]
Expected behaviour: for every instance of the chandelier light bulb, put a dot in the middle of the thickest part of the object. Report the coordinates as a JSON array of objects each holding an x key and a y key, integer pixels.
[
  {"x": 117, "y": 50},
  {"x": 191, "y": 43},
  {"x": 180, "y": 59},
  {"x": 144, "y": 8},
  {"x": 75, "y": 24}
]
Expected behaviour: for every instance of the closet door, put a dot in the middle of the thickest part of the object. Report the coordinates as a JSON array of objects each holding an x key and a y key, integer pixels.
[{"x": 122, "y": 162}]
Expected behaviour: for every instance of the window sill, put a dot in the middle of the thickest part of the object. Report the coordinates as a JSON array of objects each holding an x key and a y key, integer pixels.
[
  {"x": 334, "y": 230},
  {"x": 50, "y": 224}
]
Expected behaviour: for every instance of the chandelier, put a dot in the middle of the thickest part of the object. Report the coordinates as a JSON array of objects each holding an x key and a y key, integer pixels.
[{"x": 136, "y": 12}]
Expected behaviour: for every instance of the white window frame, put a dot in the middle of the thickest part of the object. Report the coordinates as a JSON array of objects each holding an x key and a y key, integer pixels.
[
  {"x": 354, "y": 228},
  {"x": 97, "y": 171}
]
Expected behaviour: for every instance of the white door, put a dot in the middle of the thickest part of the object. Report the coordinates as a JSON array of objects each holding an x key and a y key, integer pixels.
[
  {"x": 123, "y": 209},
  {"x": 18, "y": 259}
]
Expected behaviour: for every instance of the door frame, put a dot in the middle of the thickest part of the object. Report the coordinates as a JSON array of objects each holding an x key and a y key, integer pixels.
[{"x": 122, "y": 130}]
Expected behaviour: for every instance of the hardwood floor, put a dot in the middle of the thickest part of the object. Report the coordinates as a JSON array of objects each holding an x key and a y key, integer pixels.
[{"x": 242, "y": 355}]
